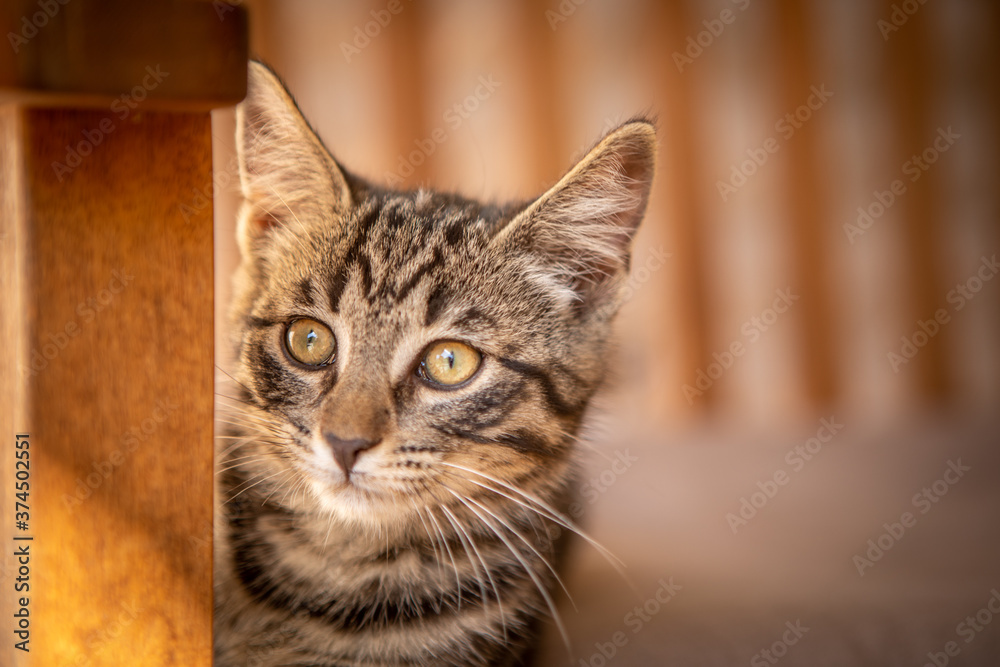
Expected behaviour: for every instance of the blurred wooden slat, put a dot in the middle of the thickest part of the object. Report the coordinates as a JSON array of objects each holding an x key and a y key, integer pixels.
[
  {"x": 987, "y": 71},
  {"x": 807, "y": 202},
  {"x": 910, "y": 71},
  {"x": 545, "y": 128},
  {"x": 671, "y": 23},
  {"x": 409, "y": 90}
]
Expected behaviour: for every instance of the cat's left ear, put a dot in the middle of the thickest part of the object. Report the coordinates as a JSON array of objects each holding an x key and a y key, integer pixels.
[
  {"x": 582, "y": 228},
  {"x": 288, "y": 177}
]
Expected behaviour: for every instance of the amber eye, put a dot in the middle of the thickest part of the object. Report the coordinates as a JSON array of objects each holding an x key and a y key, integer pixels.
[
  {"x": 310, "y": 342},
  {"x": 449, "y": 363}
]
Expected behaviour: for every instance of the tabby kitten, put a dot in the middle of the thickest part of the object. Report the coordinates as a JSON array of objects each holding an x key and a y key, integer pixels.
[{"x": 412, "y": 369}]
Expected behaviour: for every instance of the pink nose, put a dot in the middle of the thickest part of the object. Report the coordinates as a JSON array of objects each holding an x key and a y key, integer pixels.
[{"x": 345, "y": 452}]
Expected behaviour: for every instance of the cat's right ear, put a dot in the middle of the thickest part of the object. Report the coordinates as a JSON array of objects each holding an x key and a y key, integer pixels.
[{"x": 288, "y": 178}]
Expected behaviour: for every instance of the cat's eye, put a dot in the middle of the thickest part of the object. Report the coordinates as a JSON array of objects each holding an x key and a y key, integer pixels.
[
  {"x": 310, "y": 342},
  {"x": 449, "y": 363}
]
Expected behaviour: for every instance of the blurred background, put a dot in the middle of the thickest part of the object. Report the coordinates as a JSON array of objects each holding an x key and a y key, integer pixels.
[{"x": 811, "y": 347}]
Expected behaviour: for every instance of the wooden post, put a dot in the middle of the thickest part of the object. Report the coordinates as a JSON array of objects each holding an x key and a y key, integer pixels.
[
  {"x": 671, "y": 22},
  {"x": 107, "y": 359},
  {"x": 913, "y": 89},
  {"x": 807, "y": 195}
]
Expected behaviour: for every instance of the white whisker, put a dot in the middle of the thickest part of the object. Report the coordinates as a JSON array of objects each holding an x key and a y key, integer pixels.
[
  {"x": 524, "y": 564},
  {"x": 451, "y": 556},
  {"x": 458, "y": 525},
  {"x": 549, "y": 512}
]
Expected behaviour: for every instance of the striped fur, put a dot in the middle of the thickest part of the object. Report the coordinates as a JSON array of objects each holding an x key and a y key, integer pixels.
[{"x": 435, "y": 549}]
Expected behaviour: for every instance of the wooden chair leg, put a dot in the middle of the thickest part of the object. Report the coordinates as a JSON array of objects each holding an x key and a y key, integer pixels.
[{"x": 106, "y": 368}]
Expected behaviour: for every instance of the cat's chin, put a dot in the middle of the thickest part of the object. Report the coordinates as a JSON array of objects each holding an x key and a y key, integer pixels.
[{"x": 362, "y": 501}]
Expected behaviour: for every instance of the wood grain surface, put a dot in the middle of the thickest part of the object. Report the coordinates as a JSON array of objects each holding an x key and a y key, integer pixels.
[
  {"x": 93, "y": 52},
  {"x": 107, "y": 260}
]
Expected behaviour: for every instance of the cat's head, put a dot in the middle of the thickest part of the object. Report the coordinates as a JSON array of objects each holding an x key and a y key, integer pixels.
[{"x": 397, "y": 348}]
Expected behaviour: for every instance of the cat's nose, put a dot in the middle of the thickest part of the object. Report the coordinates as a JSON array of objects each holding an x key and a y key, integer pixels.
[{"x": 345, "y": 452}]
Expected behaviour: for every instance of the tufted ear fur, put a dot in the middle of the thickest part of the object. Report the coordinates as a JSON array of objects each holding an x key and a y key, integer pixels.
[
  {"x": 581, "y": 230},
  {"x": 288, "y": 177}
]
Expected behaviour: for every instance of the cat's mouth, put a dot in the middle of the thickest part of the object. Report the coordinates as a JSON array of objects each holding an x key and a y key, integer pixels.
[
  {"x": 334, "y": 480},
  {"x": 361, "y": 482},
  {"x": 365, "y": 498},
  {"x": 367, "y": 485},
  {"x": 331, "y": 487}
]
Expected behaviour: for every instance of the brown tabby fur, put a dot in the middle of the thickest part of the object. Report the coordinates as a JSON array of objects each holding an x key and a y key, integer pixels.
[{"x": 434, "y": 550}]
